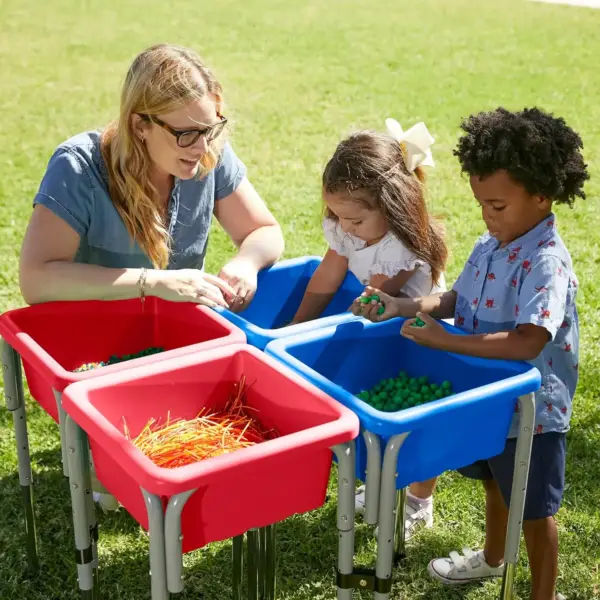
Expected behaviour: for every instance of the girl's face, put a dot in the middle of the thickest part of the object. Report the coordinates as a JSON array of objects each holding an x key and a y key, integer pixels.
[{"x": 355, "y": 218}]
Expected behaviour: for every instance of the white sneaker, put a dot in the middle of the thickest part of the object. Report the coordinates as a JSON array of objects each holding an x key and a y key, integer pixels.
[
  {"x": 106, "y": 501},
  {"x": 463, "y": 568},
  {"x": 359, "y": 500},
  {"x": 101, "y": 496},
  {"x": 417, "y": 517}
]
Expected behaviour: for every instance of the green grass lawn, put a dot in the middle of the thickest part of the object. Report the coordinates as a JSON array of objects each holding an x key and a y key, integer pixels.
[{"x": 299, "y": 76}]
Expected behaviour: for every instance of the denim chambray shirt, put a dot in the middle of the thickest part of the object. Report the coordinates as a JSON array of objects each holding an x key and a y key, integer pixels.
[
  {"x": 75, "y": 187},
  {"x": 529, "y": 281}
]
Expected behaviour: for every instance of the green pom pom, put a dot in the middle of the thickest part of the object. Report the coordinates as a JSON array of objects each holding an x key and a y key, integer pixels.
[
  {"x": 365, "y": 299},
  {"x": 381, "y": 310}
]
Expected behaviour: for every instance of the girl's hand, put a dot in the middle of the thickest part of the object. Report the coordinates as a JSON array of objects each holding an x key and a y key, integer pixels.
[
  {"x": 241, "y": 275},
  {"x": 190, "y": 285},
  {"x": 432, "y": 334},
  {"x": 370, "y": 309}
]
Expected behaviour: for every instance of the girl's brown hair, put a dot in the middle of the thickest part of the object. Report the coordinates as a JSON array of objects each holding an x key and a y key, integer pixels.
[
  {"x": 373, "y": 165},
  {"x": 160, "y": 79}
]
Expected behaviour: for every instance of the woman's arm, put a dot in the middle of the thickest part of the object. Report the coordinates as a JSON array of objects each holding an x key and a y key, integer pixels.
[
  {"x": 322, "y": 286},
  {"x": 47, "y": 272},
  {"x": 253, "y": 229}
]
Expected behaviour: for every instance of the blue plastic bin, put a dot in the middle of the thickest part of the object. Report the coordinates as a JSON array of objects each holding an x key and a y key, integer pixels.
[
  {"x": 445, "y": 434},
  {"x": 279, "y": 293}
]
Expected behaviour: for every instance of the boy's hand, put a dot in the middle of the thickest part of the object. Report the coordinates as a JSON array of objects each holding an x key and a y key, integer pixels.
[
  {"x": 432, "y": 334},
  {"x": 372, "y": 310}
]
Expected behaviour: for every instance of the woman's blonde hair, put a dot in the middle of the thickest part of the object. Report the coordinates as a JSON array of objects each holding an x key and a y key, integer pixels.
[{"x": 160, "y": 79}]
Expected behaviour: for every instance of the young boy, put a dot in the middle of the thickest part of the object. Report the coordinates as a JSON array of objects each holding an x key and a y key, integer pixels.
[{"x": 516, "y": 297}]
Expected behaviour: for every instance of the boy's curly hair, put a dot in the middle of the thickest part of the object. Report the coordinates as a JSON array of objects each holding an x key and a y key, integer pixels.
[{"x": 538, "y": 150}]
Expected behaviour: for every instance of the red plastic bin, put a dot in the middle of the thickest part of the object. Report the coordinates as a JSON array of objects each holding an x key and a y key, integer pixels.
[
  {"x": 235, "y": 492},
  {"x": 56, "y": 337}
]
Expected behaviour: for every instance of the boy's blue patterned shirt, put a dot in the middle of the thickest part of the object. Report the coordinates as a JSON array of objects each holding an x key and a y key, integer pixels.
[{"x": 529, "y": 281}]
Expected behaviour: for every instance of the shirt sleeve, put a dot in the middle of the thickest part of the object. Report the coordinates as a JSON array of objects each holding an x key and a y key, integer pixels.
[
  {"x": 543, "y": 294},
  {"x": 66, "y": 189},
  {"x": 229, "y": 173},
  {"x": 393, "y": 256}
]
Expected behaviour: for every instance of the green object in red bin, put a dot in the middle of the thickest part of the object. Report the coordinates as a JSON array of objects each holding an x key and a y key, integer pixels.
[
  {"x": 368, "y": 299},
  {"x": 117, "y": 359},
  {"x": 418, "y": 323}
]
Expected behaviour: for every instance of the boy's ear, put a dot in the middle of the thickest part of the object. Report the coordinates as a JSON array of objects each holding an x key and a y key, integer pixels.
[{"x": 543, "y": 202}]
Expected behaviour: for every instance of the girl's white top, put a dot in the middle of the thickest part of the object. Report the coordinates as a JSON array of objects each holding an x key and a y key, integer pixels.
[{"x": 387, "y": 257}]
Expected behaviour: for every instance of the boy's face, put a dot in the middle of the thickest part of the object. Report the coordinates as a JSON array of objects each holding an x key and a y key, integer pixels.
[{"x": 508, "y": 209}]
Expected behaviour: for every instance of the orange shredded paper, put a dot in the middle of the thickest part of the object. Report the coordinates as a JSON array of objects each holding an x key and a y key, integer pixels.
[{"x": 180, "y": 442}]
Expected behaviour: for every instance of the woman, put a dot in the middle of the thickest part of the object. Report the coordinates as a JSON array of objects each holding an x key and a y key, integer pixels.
[{"x": 126, "y": 212}]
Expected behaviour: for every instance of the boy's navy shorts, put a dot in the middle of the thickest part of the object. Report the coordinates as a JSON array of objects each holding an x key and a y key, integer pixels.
[{"x": 546, "y": 474}]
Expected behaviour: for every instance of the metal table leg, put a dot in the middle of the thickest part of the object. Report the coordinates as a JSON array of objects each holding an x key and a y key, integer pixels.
[
  {"x": 156, "y": 532},
  {"x": 270, "y": 562},
  {"x": 345, "y": 454},
  {"x": 77, "y": 444},
  {"x": 373, "y": 478},
  {"x": 173, "y": 541},
  {"x": 400, "y": 526},
  {"x": 387, "y": 510},
  {"x": 253, "y": 561},
  {"x": 61, "y": 422},
  {"x": 262, "y": 556},
  {"x": 91, "y": 509},
  {"x": 238, "y": 566},
  {"x": 15, "y": 402},
  {"x": 519, "y": 490}
]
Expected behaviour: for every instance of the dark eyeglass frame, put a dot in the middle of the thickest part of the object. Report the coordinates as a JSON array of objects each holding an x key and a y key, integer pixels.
[{"x": 211, "y": 133}]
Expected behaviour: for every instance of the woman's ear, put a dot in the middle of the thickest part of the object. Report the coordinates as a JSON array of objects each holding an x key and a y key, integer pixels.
[
  {"x": 218, "y": 102},
  {"x": 140, "y": 127}
]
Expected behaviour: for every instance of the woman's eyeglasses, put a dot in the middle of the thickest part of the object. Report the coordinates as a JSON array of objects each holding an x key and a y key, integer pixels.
[{"x": 188, "y": 137}]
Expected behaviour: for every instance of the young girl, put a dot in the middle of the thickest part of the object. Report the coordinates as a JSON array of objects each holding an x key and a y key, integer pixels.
[{"x": 378, "y": 227}]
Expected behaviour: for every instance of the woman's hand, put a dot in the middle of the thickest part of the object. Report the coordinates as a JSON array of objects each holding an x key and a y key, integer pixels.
[
  {"x": 241, "y": 275},
  {"x": 190, "y": 285}
]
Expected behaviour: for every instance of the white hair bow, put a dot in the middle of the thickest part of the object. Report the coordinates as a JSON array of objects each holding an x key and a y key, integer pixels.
[{"x": 417, "y": 141}]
